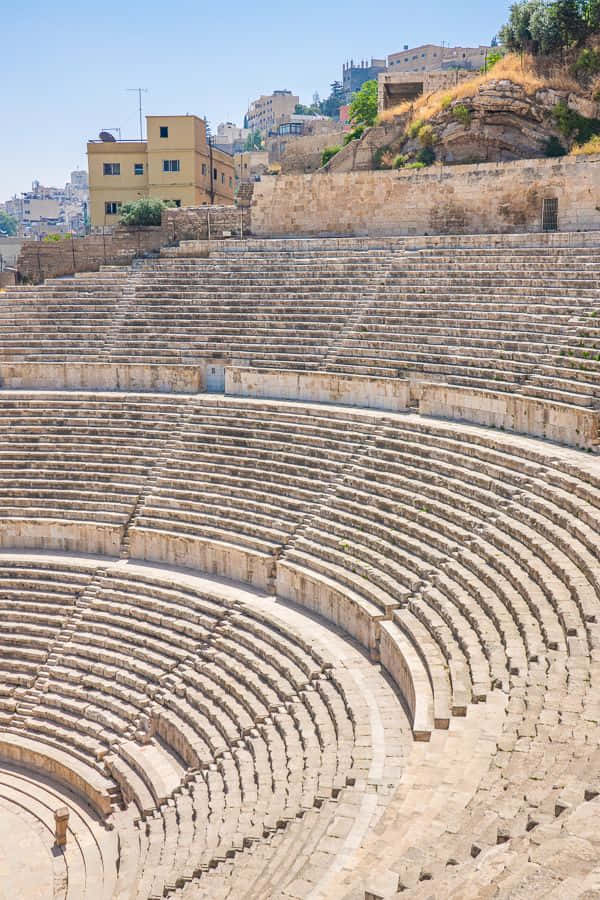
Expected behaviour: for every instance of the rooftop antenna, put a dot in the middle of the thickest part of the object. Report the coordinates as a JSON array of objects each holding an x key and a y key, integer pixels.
[{"x": 139, "y": 92}]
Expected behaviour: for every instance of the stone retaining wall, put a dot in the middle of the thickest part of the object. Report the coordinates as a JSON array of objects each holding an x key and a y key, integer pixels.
[
  {"x": 303, "y": 154},
  {"x": 524, "y": 415},
  {"x": 103, "y": 377},
  {"x": 474, "y": 199},
  {"x": 39, "y": 260},
  {"x": 571, "y": 425},
  {"x": 318, "y": 387}
]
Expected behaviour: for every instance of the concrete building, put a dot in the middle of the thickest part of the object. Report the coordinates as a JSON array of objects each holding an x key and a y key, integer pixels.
[
  {"x": 230, "y": 138},
  {"x": 250, "y": 165},
  {"x": 396, "y": 87},
  {"x": 432, "y": 57},
  {"x": 355, "y": 75},
  {"x": 271, "y": 110},
  {"x": 174, "y": 163}
]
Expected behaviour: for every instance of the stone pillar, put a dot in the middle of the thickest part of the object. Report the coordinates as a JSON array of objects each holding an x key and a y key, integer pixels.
[{"x": 61, "y": 821}]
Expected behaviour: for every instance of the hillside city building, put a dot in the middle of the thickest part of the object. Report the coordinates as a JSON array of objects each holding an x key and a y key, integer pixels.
[
  {"x": 431, "y": 57},
  {"x": 231, "y": 138},
  {"x": 174, "y": 163},
  {"x": 270, "y": 110},
  {"x": 354, "y": 76},
  {"x": 51, "y": 210}
]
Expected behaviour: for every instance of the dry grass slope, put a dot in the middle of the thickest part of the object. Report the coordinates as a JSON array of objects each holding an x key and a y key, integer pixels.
[{"x": 511, "y": 67}]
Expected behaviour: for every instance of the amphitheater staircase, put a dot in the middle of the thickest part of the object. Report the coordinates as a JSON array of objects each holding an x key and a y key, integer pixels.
[{"x": 124, "y": 311}]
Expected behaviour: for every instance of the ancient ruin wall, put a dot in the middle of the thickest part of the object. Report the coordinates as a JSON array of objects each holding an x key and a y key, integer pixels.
[
  {"x": 39, "y": 260},
  {"x": 194, "y": 223},
  {"x": 477, "y": 199}
]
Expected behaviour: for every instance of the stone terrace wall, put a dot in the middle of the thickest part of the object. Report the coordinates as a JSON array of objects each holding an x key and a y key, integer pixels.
[
  {"x": 476, "y": 199},
  {"x": 196, "y": 223},
  {"x": 304, "y": 153},
  {"x": 38, "y": 260}
]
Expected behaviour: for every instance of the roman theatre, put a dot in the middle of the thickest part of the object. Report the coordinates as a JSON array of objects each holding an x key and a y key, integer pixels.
[{"x": 299, "y": 577}]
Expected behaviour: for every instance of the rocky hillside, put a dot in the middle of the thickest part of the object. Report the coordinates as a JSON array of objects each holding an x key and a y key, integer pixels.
[
  {"x": 518, "y": 114},
  {"x": 501, "y": 122}
]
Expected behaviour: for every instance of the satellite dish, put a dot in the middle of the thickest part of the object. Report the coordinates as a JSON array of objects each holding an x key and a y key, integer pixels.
[{"x": 107, "y": 137}]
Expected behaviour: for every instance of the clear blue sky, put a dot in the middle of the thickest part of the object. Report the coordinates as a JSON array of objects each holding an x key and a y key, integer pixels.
[{"x": 66, "y": 65}]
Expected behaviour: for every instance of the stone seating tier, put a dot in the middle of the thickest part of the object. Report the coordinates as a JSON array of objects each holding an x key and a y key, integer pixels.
[
  {"x": 221, "y": 726},
  {"x": 511, "y": 320}
]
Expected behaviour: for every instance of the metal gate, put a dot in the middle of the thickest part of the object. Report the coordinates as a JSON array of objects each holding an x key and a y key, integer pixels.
[{"x": 550, "y": 214}]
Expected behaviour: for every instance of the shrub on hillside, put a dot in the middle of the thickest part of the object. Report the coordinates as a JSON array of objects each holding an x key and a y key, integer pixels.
[
  {"x": 573, "y": 125},
  {"x": 587, "y": 63},
  {"x": 554, "y": 148},
  {"x": 328, "y": 153},
  {"x": 146, "y": 211},
  {"x": 354, "y": 135},
  {"x": 591, "y": 146},
  {"x": 462, "y": 114},
  {"x": 426, "y": 156},
  {"x": 414, "y": 128},
  {"x": 427, "y": 136},
  {"x": 54, "y": 238},
  {"x": 400, "y": 161},
  {"x": 493, "y": 57},
  {"x": 382, "y": 158}
]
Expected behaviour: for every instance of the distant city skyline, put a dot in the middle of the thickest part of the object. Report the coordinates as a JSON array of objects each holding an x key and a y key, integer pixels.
[{"x": 68, "y": 73}]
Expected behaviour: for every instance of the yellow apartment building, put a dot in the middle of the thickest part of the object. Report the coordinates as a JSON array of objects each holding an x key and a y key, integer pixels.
[{"x": 175, "y": 163}]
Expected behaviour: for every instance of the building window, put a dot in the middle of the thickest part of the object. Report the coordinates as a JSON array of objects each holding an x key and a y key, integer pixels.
[
  {"x": 176, "y": 203},
  {"x": 204, "y": 168},
  {"x": 138, "y": 168},
  {"x": 230, "y": 181},
  {"x": 112, "y": 168},
  {"x": 222, "y": 177},
  {"x": 111, "y": 208},
  {"x": 171, "y": 165},
  {"x": 215, "y": 174},
  {"x": 164, "y": 131}
]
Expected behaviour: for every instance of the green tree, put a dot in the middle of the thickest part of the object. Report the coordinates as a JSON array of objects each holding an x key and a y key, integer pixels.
[
  {"x": 331, "y": 106},
  {"x": 591, "y": 15},
  {"x": 516, "y": 34},
  {"x": 570, "y": 19},
  {"x": 363, "y": 108},
  {"x": 254, "y": 141},
  {"x": 146, "y": 211},
  {"x": 546, "y": 29},
  {"x": 8, "y": 224}
]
